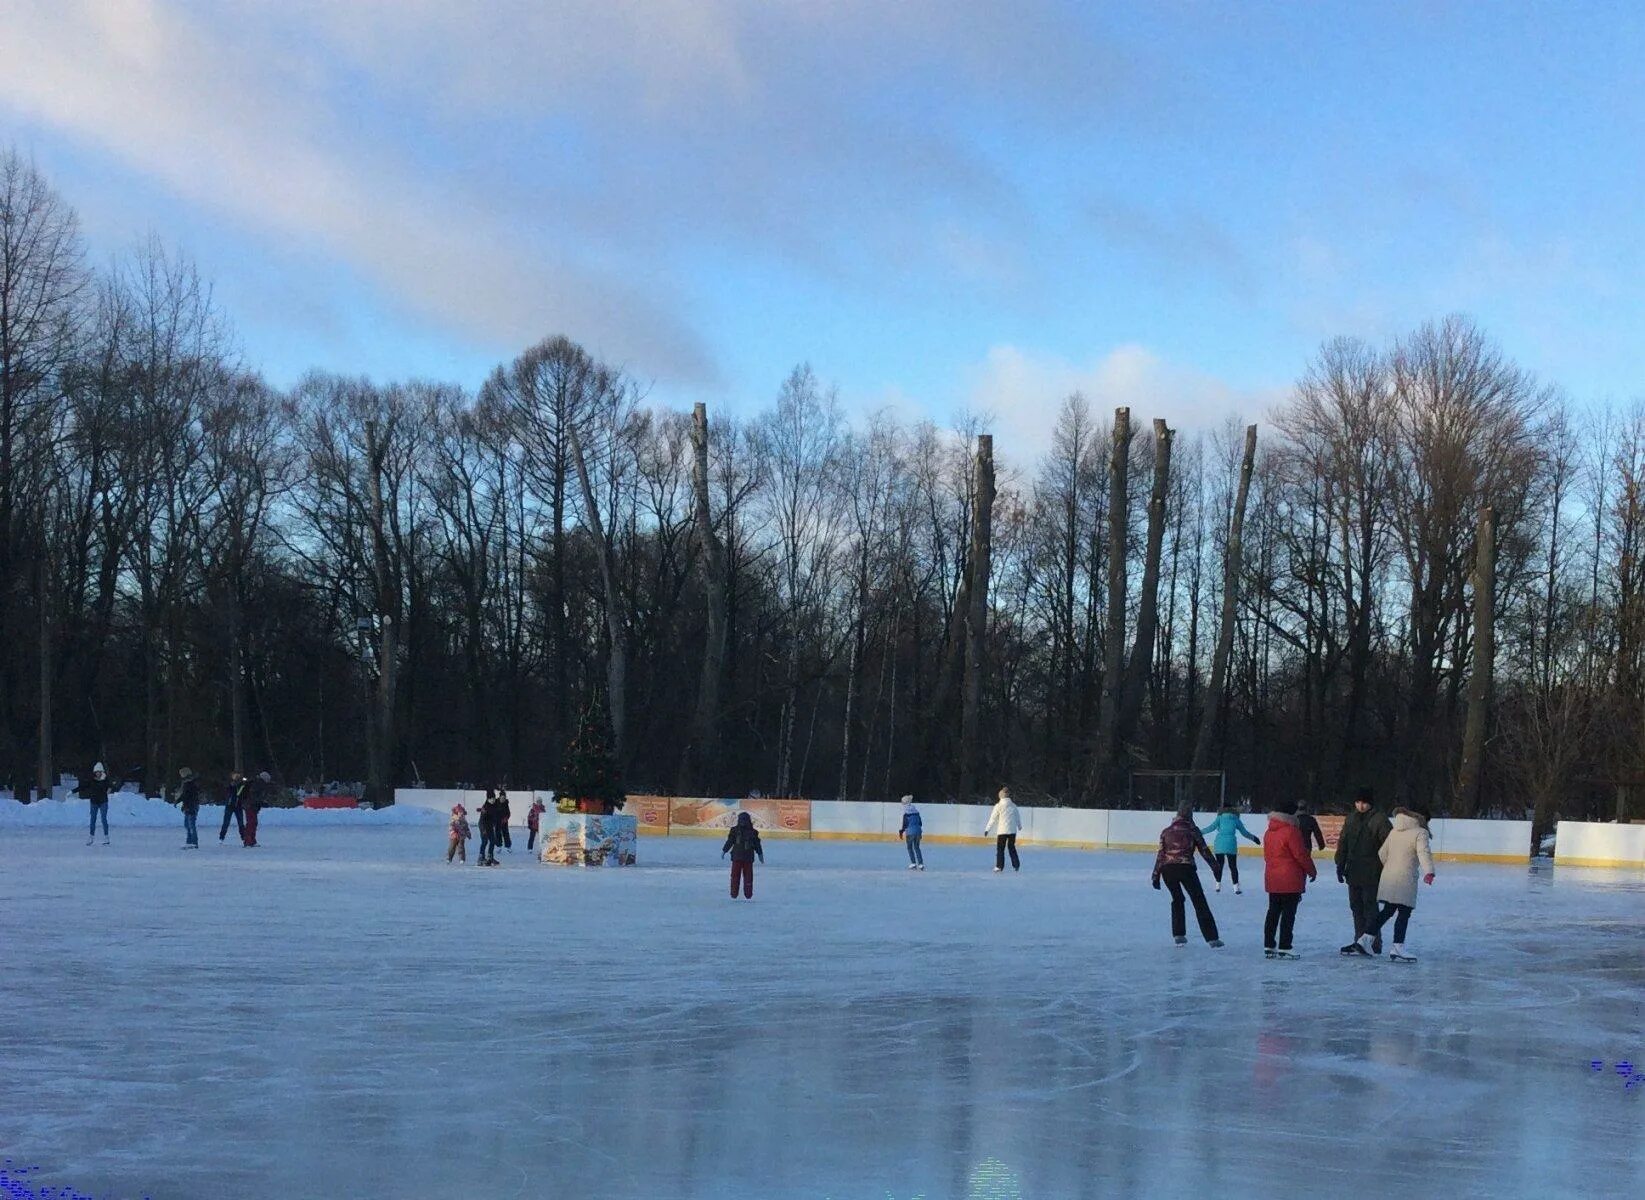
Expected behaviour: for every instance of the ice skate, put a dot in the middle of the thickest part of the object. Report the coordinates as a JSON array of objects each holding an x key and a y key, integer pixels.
[
  {"x": 1180, "y": 940},
  {"x": 922, "y": 866},
  {"x": 1286, "y": 954},
  {"x": 1376, "y": 945},
  {"x": 1218, "y": 888},
  {"x": 91, "y": 841},
  {"x": 1215, "y": 943},
  {"x": 997, "y": 870},
  {"x": 1354, "y": 949},
  {"x": 913, "y": 866},
  {"x": 1270, "y": 953},
  {"x": 105, "y": 841},
  {"x": 1400, "y": 955},
  {"x": 1238, "y": 891}
]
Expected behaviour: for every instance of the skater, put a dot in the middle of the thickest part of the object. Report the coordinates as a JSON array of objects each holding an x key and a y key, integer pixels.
[
  {"x": 458, "y": 847},
  {"x": 188, "y": 799},
  {"x": 743, "y": 844},
  {"x": 488, "y": 815},
  {"x": 1004, "y": 822},
  {"x": 234, "y": 807},
  {"x": 1289, "y": 868},
  {"x": 910, "y": 833},
  {"x": 251, "y": 803},
  {"x": 1312, "y": 835},
  {"x": 1178, "y": 843},
  {"x": 1229, "y": 827},
  {"x": 1360, "y": 867},
  {"x": 533, "y": 821},
  {"x": 501, "y": 833},
  {"x": 97, "y": 791},
  {"x": 1405, "y": 854}
]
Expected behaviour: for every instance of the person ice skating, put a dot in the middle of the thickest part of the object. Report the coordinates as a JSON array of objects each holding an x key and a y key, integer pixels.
[
  {"x": 1405, "y": 853},
  {"x": 1004, "y": 822},
  {"x": 1288, "y": 870},
  {"x": 458, "y": 847},
  {"x": 252, "y": 799},
  {"x": 501, "y": 832},
  {"x": 533, "y": 821},
  {"x": 1178, "y": 843},
  {"x": 1360, "y": 867},
  {"x": 1229, "y": 827},
  {"x": 910, "y": 832},
  {"x": 188, "y": 799},
  {"x": 1312, "y": 835},
  {"x": 96, "y": 790},
  {"x": 743, "y": 844},
  {"x": 234, "y": 807},
  {"x": 488, "y": 830}
]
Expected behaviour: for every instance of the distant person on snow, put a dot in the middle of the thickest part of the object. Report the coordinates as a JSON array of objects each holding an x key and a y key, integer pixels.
[
  {"x": 488, "y": 830},
  {"x": 503, "y": 814},
  {"x": 1004, "y": 822},
  {"x": 188, "y": 799},
  {"x": 96, "y": 790},
  {"x": 743, "y": 844},
  {"x": 1359, "y": 865},
  {"x": 254, "y": 797},
  {"x": 1229, "y": 827},
  {"x": 1178, "y": 843},
  {"x": 1313, "y": 836},
  {"x": 458, "y": 847},
  {"x": 910, "y": 833},
  {"x": 533, "y": 821},
  {"x": 1405, "y": 854},
  {"x": 234, "y": 807},
  {"x": 1289, "y": 868}
]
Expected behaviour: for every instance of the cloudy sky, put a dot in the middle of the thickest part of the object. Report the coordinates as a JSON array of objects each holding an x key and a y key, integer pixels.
[{"x": 940, "y": 204}]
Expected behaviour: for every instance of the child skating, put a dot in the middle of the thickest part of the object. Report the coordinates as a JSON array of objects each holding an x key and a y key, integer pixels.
[
  {"x": 1288, "y": 868},
  {"x": 1178, "y": 843},
  {"x": 1406, "y": 853},
  {"x": 910, "y": 832},
  {"x": 1004, "y": 822},
  {"x": 743, "y": 844},
  {"x": 460, "y": 833},
  {"x": 1229, "y": 827}
]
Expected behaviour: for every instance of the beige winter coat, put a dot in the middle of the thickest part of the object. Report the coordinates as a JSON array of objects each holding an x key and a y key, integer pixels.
[{"x": 1405, "y": 860}]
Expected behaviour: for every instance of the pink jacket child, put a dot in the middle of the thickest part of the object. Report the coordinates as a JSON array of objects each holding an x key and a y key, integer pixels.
[
  {"x": 532, "y": 819},
  {"x": 459, "y": 834}
]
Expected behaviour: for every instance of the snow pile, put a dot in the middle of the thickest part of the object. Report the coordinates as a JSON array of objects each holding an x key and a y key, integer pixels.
[{"x": 131, "y": 811}]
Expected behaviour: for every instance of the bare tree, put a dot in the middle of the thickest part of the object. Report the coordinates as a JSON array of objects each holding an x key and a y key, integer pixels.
[{"x": 1215, "y": 693}]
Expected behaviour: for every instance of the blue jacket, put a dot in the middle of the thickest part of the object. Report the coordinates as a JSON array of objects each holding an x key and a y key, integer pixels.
[
  {"x": 1228, "y": 826},
  {"x": 911, "y": 823}
]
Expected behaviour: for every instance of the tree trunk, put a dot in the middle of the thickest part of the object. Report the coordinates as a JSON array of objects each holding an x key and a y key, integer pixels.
[
  {"x": 1113, "y": 643},
  {"x": 43, "y": 773},
  {"x": 236, "y": 680},
  {"x": 1479, "y": 682},
  {"x": 1217, "y": 686},
  {"x": 982, "y": 512},
  {"x": 1139, "y": 673},
  {"x": 706, "y": 735},
  {"x": 617, "y": 663}
]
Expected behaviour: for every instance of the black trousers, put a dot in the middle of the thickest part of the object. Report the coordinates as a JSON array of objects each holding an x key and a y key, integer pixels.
[
  {"x": 1229, "y": 863},
  {"x": 1002, "y": 843},
  {"x": 1282, "y": 915},
  {"x": 1183, "y": 879},
  {"x": 231, "y": 812},
  {"x": 1362, "y": 899},
  {"x": 1400, "y": 921}
]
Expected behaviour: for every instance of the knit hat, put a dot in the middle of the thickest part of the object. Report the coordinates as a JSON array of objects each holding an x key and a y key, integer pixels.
[
  {"x": 908, "y": 801},
  {"x": 185, "y": 773},
  {"x": 1288, "y": 807},
  {"x": 1363, "y": 796},
  {"x": 97, "y": 771},
  {"x": 264, "y": 776},
  {"x": 457, "y": 810}
]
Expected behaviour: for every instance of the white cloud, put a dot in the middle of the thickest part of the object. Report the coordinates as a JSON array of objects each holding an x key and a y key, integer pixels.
[{"x": 1022, "y": 392}]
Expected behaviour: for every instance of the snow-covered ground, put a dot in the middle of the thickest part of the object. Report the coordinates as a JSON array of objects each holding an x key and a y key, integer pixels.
[{"x": 338, "y": 1013}]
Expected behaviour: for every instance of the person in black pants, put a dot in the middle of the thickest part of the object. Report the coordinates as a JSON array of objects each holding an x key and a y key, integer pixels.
[
  {"x": 1359, "y": 866},
  {"x": 234, "y": 807},
  {"x": 503, "y": 816},
  {"x": 1178, "y": 843},
  {"x": 1312, "y": 835}
]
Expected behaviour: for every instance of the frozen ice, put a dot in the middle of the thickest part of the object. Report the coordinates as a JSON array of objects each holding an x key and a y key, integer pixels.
[{"x": 338, "y": 1013}]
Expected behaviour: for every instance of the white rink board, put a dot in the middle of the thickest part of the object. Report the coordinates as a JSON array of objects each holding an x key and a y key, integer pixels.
[{"x": 1595, "y": 844}]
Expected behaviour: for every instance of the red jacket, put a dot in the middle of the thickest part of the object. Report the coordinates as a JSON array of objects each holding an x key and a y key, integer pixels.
[{"x": 1286, "y": 854}]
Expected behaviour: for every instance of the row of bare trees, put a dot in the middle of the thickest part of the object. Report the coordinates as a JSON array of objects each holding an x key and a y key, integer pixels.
[{"x": 1422, "y": 574}]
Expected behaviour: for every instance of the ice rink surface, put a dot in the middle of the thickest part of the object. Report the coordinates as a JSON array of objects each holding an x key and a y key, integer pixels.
[{"x": 338, "y": 1013}]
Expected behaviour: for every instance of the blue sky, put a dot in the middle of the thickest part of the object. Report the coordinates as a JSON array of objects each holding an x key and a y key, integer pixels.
[{"x": 940, "y": 204}]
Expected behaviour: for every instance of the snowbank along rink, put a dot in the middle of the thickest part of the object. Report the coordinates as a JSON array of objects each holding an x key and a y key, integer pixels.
[{"x": 339, "y": 1013}]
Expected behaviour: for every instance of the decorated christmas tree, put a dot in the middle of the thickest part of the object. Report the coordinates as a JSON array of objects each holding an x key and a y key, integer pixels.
[{"x": 591, "y": 772}]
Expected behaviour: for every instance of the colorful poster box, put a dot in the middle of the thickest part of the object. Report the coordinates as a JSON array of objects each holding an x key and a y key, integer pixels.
[{"x": 700, "y": 815}]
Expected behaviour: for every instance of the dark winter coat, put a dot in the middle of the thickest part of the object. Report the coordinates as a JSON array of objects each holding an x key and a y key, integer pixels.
[
  {"x": 239, "y": 795},
  {"x": 1178, "y": 843},
  {"x": 1312, "y": 835},
  {"x": 503, "y": 813},
  {"x": 188, "y": 796},
  {"x": 1357, "y": 845},
  {"x": 95, "y": 790},
  {"x": 1289, "y": 867},
  {"x": 744, "y": 841},
  {"x": 488, "y": 820}
]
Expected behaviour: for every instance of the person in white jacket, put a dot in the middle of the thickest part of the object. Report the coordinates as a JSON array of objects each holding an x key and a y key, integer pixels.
[
  {"x": 1004, "y": 823},
  {"x": 1406, "y": 854}
]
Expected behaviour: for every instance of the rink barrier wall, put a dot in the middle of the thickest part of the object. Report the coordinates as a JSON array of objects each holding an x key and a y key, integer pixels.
[
  {"x": 1063, "y": 828},
  {"x": 1596, "y": 844}
]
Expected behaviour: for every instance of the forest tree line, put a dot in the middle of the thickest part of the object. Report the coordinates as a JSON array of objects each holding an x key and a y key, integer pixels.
[{"x": 1420, "y": 573}]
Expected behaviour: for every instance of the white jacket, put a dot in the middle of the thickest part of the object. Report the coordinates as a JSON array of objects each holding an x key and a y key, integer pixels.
[
  {"x": 1405, "y": 858},
  {"x": 1004, "y": 819}
]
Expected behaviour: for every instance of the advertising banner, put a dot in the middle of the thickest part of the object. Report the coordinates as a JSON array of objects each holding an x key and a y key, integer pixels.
[
  {"x": 695, "y": 814},
  {"x": 650, "y": 811}
]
